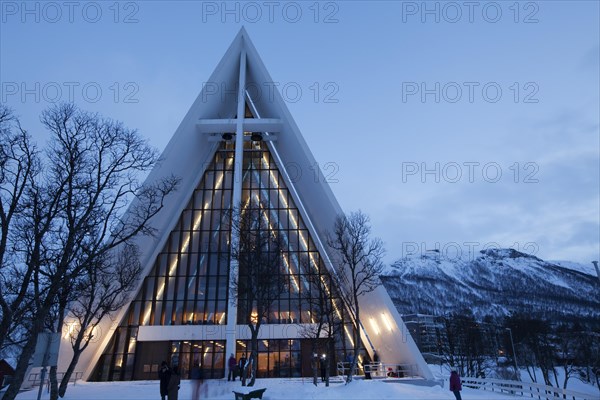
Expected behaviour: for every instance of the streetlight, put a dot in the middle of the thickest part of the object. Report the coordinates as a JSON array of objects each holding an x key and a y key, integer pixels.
[{"x": 512, "y": 344}]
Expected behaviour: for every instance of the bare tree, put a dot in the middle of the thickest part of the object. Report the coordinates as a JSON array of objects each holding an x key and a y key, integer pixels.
[
  {"x": 567, "y": 354},
  {"x": 101, "y": 291},
  {"x": 19, "y": 163},
  {"x": 451, "y": 342},
  {"x": 535, "y": 340},
  {"x": 466, "y": 344},
  {"x": 588, "y": 350},
  {"x": 258, "y": 250},
  {"x": 357, "y": 259},
  {"x": 326, "y": 321},
  {"x": 54, "y": 324},
  {"x": 593, "y": 371},
  {"x": 77, "y": 215}
]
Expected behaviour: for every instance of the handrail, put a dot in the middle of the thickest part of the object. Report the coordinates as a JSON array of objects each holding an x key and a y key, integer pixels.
[
  {"x": 380, "y": 370},
  {"x": 35, "y": 377},
  {"x": 529, "y": 389},
  {"x": 343, "y": 368}
]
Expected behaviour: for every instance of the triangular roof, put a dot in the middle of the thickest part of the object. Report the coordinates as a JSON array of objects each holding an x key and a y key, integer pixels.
[{"x": 190, "y": 150}]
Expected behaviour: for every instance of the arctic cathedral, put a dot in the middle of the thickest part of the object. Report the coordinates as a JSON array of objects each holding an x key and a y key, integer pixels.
[{"x": 235, "y": 147}]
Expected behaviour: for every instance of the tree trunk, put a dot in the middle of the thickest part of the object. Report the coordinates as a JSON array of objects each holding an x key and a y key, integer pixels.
[
  {"x": 555, "y": 377},
  {"x": 567, "y": 375},
  {"x": 62, "y": 305},
  {"x": 243, "y": 374},
  {"x": 314, "y": 363},
  {"x": 327, "y": 368},
  {"x": 546, "y": 377},
  {"x": 53, "y": 383},
  {"x": 5, "y": 324},
  {"x": 356, "y": 346},
  {"x": 22, "y": 364},
  {"x": 531, "y": 373},
  {"x": 70, "y": 369},
  {"x": 252, "y": 360},
  {"x": 29, "y": 348}
]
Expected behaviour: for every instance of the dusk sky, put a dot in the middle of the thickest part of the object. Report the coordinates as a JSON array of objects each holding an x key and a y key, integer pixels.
[{"x": 453, "y": 125}]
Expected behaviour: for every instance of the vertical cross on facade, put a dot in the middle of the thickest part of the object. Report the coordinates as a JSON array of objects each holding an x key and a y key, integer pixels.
[{"x": 217, "y": 128}]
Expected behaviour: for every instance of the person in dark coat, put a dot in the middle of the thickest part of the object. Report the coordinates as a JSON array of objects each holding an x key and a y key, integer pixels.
[
  {"x": 455, "y": 384},
  {"x": 232, "y": 365},
  {"x": 164, "y": 374},
  {"x": 314, "y": 366},
  {"x": 197, "y": 380},
  {"x": 242, "y": 369},
  {"x": 323, "y": 367},
  {"x": 174, "y": 381},
  {"x": 350, "y": 361}
]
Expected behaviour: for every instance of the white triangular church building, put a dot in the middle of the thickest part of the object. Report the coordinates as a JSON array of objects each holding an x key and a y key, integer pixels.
[{"x": 181, "y": 311}]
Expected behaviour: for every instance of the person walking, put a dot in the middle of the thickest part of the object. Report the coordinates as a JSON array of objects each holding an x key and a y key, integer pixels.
[
  {"x": 232, "y": 364},
  {"x": 455, "y": 384},
  {"x": 197, "y": 380},
  {"x": 174, "y": 382},
  {"x": 164, "y": 374}
]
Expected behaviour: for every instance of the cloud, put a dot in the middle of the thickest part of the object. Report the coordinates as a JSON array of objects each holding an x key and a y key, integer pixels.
[{"x": 557, "y": 218}]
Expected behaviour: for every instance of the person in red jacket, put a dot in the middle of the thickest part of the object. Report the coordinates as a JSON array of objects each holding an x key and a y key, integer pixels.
[
  {"x": 232, "y": 364},
  {"x": 455, "y": 385}
]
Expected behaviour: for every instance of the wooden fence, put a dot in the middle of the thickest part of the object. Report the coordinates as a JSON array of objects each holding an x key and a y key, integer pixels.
[{"x": 526, "y": 389}]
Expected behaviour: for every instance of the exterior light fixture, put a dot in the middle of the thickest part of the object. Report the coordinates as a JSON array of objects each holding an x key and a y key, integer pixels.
[
  {"x": 386, "y": 321},
  {"x": 227, "y": 136},
  {"x": 374, "y": 325},
  {"x": 256, "y": 137}
]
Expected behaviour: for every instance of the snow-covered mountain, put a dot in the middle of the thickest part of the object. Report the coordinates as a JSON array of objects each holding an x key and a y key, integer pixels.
[{"x": 497, "y": 282}]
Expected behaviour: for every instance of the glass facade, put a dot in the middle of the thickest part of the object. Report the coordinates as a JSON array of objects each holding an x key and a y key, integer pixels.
[
  {"x": 188, "y": 284},
  {"x": 210, "y": 354},
  {"x": 277, "y": 358},
  {"x": 263, "y": 185}
]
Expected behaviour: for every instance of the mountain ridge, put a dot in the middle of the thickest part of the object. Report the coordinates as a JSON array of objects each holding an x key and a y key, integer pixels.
[{"x": 496, "y": 283}]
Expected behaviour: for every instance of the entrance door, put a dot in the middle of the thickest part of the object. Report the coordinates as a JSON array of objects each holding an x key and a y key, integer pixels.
[
  {"x": 148, "y": 357},
  {"x": 306, "y": 354}
]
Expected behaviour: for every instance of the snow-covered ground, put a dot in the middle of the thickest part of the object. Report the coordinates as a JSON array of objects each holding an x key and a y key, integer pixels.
[
  {"x": 289, "y": 389},
  {"x": 574, "y": 384},
  {"x": 276, "y": 389}
]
